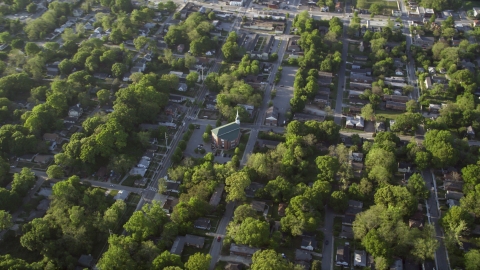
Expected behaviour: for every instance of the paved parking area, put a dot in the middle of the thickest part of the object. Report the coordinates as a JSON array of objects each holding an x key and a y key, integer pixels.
[
  {"x": 197, "y": 139},
  {"x": 285, "y": 93}
]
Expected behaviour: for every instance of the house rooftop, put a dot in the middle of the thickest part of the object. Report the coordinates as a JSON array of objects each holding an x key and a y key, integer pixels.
[{"x": 228, "y": 132}]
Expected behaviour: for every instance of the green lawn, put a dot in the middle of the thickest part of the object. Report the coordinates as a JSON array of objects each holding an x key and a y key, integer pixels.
[
  {"x": 386, "y": 115},
  {"x": 130, "y": 181},
  {"x": 388, "y": 6}
]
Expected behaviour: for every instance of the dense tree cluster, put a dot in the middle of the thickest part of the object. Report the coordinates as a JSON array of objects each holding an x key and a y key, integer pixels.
[
  {"x": 320, "y": 53},
  {"x": 195, "y": 31}
]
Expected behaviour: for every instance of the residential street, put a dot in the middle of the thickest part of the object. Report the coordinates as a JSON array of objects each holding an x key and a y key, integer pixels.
[
  {"x": 441, "y": 256},
  {"x": 216, "y": 248},
  {"x": 328, "y": 252},
  {"x": 341, "y": 76}
]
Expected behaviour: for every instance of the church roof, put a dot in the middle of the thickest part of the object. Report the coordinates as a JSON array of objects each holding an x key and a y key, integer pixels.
[{"x": 228, "y": 132}]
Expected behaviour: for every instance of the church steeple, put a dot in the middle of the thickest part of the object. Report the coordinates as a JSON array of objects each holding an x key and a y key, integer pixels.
[{"x": 237, "y": 119}]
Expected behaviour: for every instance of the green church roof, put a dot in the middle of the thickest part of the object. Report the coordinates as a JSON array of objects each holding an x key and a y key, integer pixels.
[{"x": 228, "y": 132}]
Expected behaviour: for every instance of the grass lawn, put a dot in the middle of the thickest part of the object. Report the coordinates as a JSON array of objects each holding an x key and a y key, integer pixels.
[
  {"x": 388, "y": 6},
  {"x": 386, "y": 115},
  {"x": 130, "y": 181}
]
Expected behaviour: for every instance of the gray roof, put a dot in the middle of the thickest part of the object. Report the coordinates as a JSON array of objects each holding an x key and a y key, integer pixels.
[
  {"x": 173, "y": 186},
  {"x": 356, "y": 204},
  {"x": 217, "y": 195},
  {"x": 302, "y": 255},
  {"x": 309, "y": 241},
  {"x": 194, "y": 240},
  {"x": 243, "y": 249},
  {"x": 86, "y": 260},
  {"x": 258, "y": 206},
  {"x": 178, "y": 244}
]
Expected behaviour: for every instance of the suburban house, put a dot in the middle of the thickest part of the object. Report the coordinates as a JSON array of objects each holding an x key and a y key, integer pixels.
[
  {"x": 399, "y": 72},
  {"x": 434, "y": 108},
  {"x": 355, "y": 156},
  {"x": 75, "y": 111},
  {"x": 302, "y": 117},
  {"x": 355, "y": 204},
  {"x": 26, "y": 157},
  {"x": 453, "y": 185},
  {"x": 202, "y": 223},
  {"x": 303, "y": 258},
  {"x": 217, "y": 195},
  {"x": 252, "y": 188},
  {"x": 271, "y": 116},
  {"x": 86, "y": 261},
  {"x": 143, "y": 163},
  {"x": 138, "y": 171},
  {"x": 470, "y": 132},
  {"x": 42, "y": 159},
  {"x": 322, "y": 99},
  {"x": 122, "y": 195},
  {"x": 348, "y": 220},
  {"x": 241, "y": 250},
  {"x": 356, "y": 122},
  {"x": 454, "y": 195},
  {"x": 404, "y": 167},
  {"x": 293, "y": 44},
  {"x": 380, "y": 126},
  {"x": 258, "y": 206},
  {"x": 360, "y": 258},
  {"x": 176, "y": 99},
  {"x": 139, "y": 66},
  {"x": 260, "y": 45},
  {"x": 343, "y": 255},
  {"x": 267, "y": 144},
  {"x": 423, "y": 41},
  {"x": 399, "y": 106},
  {"x": 194, "y": 241},
  {"x": 182, "y": 87},
  {"x": 476, "y": 11},
  {"x": 173, "y": 187},
  {"x": 308, "y": 243},
  {"x": 428, "y": 83},
  {"x": 227, "y": 136},
  {"x": 347, "y": 232},
  {"x": 325, "y": 78},
  {"x": 52, "y": 69}
]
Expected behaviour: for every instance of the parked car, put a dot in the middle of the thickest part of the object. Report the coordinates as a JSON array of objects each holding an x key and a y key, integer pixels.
[{"x": 219, "y": 239}]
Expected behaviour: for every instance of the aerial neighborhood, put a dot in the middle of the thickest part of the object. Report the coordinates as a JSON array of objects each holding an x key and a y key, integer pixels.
[{"x": 205, "y": 135}]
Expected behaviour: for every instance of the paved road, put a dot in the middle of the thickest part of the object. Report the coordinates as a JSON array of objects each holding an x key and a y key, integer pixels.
[
  {"x": 441, "y": 256},
  {"x": 327, "y": 254},
  {"x": 216, "y": 248},
  {"x": 341, "y": 77}
]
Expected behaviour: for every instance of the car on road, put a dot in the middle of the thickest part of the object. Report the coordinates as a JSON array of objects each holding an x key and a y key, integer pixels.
[
  {"x": 281, "y": 85},
  {"x": 326, "y": 242},
  {"x": 111, "y": 185},
  {"x": 197, "y": 126},
  {"x": 219, "y": 239}
]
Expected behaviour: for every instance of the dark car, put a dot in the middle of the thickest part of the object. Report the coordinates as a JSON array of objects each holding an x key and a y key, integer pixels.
[
  {"x": 326, "y": 242},
  {"x": 219, "y": 239}
]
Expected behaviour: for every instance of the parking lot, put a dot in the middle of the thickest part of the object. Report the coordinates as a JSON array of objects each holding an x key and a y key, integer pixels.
[
  {"x": 285, "y": 92},
  {"x": 197, "y": 140}
]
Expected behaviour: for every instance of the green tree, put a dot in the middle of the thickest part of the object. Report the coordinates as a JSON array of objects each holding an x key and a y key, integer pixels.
[
  {"x": 472, "y": 259},
  {"x": 55, "y": 172},
  {"x": 243, "y": 212},
  {"x": 5, "y": 220},
  {"x": 23, "y": 181},
  {"x": 252, "y": 232},
  {"x": 396, "y": 196},
  {"x": 66, "y": 66},
  {"x": 235, "y": 186},
  {"x": 103, "y": 96},
  {"x": 166, "y": 259},
  {"x": 116, "y": 256},
  {"x": 198, "y": 261},
  {"x": 440, "y": 144},
  {"x": 339, "y": 201},
  {"x": 416, "y": 186},
  {"x": 367, "y": 112},
  {"x": 32, "y": 49},
  {"x": 118, "y": 69},
  {"x": 327, "y": 168},
  {"x": 192, "y": 79},
  {"x": 269, "y": 259},
  {"x": 17, "y": 44},
  {"x": 376, "y": 8}
]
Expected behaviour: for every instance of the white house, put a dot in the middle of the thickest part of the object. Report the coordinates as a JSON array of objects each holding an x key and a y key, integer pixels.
[
  {"x": 98, "y": 30},
  {"x": 236, "y": 3},
  {"x": 476, "y": 11},
  {"x": 143, "y": 163},
  {"x": 399, "y": 72},
  {"x": 75, "y": 111},
  {"x": 360, "y": 258},
  {"x": 182, "y": 87}
]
